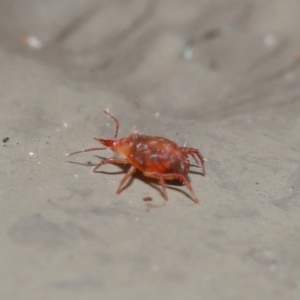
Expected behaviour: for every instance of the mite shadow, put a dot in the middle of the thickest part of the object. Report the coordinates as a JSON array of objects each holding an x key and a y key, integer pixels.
[{"x": 171, "y": 184}]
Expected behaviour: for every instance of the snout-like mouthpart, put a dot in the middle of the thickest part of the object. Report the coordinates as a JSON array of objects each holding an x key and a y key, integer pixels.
[{"x": 107, "y": 143}]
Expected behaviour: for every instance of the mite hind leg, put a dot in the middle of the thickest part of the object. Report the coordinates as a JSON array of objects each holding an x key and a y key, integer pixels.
[{"x": 195, "y": 153}]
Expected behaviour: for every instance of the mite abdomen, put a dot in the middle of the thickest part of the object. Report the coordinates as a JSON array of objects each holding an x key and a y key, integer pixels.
[{"x": 153, "y": 154}]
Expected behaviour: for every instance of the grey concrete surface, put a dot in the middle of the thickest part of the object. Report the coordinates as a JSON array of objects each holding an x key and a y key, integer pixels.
[{"x": 222, "y": 76}]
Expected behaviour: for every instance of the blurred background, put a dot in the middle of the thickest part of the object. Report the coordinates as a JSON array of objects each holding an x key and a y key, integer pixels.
[{"x": 219, "y": 75}]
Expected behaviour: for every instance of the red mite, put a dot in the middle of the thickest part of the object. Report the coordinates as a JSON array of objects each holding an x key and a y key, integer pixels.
[{"x": 155, "y": 157}]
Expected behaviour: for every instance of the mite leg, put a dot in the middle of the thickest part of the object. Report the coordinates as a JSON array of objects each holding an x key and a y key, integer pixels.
[
  {"x": 111, "y": 161},
  {"x": 85, "y": 150},
  {"x": 161, "y": 181},
  {"x": 184, "y": 180},
  {"x": 195, "y": 158},
  {"x": 195, "y": 152},
  {"x": 172, "y": 176},
  {"x": 116, "y": 121},
  {"x": 128, "y": 174}
]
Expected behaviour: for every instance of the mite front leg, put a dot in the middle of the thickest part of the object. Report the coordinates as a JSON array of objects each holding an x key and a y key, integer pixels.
[
  {"x": 128, "y": 174},
  {"x": 86, "y": 150},
  {"x": 111, "y": 161}
]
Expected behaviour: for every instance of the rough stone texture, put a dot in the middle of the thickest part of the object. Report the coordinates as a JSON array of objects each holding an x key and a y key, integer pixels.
[{"x": 221, "y": 75}]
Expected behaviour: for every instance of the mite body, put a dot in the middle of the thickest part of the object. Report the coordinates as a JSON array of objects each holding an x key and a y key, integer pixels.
[{"x": 155, "y": 157}]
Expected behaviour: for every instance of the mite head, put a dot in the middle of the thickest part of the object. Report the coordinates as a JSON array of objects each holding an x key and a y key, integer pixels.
[
  {"x": 107, "y": 143},
  {"x": 121, "y": 146},
  {"x": 114, "y": 144},
  {"x": 118, "y": 145},
  {"x": 110, "y": 143}
]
